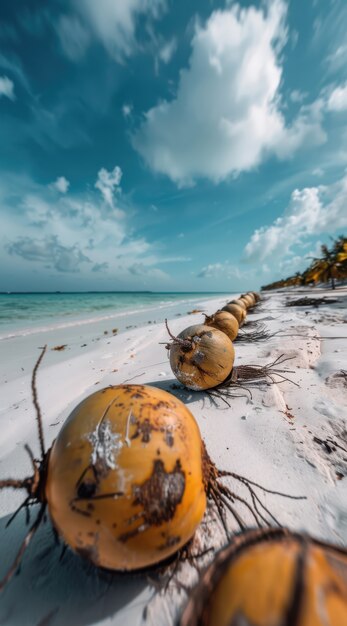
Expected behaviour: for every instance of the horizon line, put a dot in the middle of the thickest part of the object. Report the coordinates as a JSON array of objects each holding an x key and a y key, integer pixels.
[{"x": 57, "y": 292}]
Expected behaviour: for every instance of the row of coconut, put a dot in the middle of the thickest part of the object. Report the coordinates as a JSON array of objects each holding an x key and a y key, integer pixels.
[
  {"x": 202, "y": 356},
  {"x": 241, "y": 584},
  {"x": 127, "y": 483}
]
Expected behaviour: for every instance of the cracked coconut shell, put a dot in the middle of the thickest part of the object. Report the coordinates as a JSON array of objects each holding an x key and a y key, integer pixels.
[
  {"x": 202, "y": 357},
  {"x": 125, "y": 480}
]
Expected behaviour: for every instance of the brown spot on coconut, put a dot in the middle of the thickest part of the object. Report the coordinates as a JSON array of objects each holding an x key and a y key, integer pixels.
[
  {"x": 237, "y": 311},
  {"x": 159, "y": 495},
  {"x": 201, "y": 357},
  {"x": 224, "y": 321}
]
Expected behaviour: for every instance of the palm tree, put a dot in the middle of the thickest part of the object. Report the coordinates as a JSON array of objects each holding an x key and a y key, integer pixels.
[
  {"x": 340, "y": 250},
  {"x": 332, "y": 265}
]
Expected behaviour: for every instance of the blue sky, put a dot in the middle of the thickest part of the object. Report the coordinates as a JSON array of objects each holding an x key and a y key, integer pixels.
[{"x": 153, "y": 144}]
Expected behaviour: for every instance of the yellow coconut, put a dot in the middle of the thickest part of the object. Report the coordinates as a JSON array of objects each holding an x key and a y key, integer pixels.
[
  {"x": 224, "y": 321},
  {"x": 236, "y": 310},
  {"x": 240, "y": 303},
  {"x": 252, "y": 297},
  {"x": 248, "y": 299},
  {"x": 201, "y": 357},
  {"x": 125, "y": 485},
  {"x": 272, "y": 578}
]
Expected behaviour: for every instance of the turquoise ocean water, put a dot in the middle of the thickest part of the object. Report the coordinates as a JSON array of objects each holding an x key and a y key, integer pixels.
[{"x": 29, "y": 311}]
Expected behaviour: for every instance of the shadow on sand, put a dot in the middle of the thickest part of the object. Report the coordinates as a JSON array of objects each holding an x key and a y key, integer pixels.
[
  {"x": 188, "y": 397},
  {"x": 49, "y": 591}
]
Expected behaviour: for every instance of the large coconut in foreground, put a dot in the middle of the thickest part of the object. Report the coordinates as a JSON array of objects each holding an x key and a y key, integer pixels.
[
  {"x": 272, "y": 577},
  {"x": 125, "y": 485}
]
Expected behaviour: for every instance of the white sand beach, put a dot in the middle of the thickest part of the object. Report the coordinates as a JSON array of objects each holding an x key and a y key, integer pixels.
[
  {"x": 288, "y": 437},
  {"x": 158, "y": 160}
]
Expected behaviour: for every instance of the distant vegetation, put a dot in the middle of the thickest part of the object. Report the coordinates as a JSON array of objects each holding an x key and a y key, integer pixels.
[{"x": 329, "y": 267}]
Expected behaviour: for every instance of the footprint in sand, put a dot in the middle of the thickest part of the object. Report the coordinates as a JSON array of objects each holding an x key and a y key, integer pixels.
[
  {"x": 327, "y": 408},
  {"x": 337, "y": 380}
]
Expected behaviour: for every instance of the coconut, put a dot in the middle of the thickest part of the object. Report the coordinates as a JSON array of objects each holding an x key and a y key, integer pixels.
[
  {"x": 224, "y": 321},
  {"x": 240, "y": 303},
  {"x": 236, "y": 310},
  {"x": 272, "y": 577},
  {"x": 248, "y": 299},
  {"x": 201, "y": 357}
]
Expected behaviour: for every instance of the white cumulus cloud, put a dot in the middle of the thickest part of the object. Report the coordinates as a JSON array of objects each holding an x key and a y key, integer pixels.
[
  {"x": 338, "y": 99},
  {"x": 80, "y": 232},
  {"x": 167, "y": 51},
  {"x": 111, "y": 22},
  {"x": 217, "y": 270},
  {"x": 226, "y": 114},
  {"x": 297, "y": 96},
  {"x": 127, "y": 110},
  {"x": 61, "y": 184},
  {"x": 306, "y": 129},
  {"x": 108, "y": 184},
  {"x": 50, "y": 251},
  {"x": 7, "y": 88},
  {"x": 311, "y": 211}
]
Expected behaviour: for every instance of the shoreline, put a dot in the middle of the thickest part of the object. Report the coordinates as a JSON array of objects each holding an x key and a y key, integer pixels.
[
  {"x": 279, "y": 438},
  {"x": 18, "y": 350},
  {"x": 10, "y": 329},
  {"x": 79, "y": 320}
]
